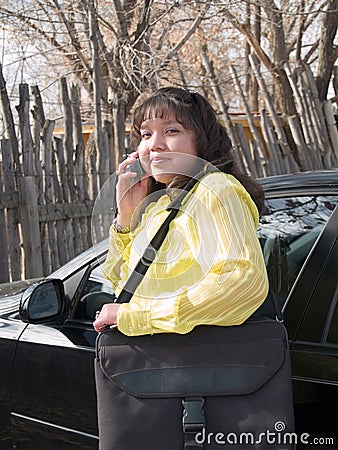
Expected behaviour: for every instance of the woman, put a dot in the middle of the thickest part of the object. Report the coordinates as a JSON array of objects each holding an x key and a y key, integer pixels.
[{"x": 210, "y": 268}]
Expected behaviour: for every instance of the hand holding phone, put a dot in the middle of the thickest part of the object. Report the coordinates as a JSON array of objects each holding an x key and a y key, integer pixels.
[
  {"x": 131, "y": 189},
  {"x": 136, "y": 166}
]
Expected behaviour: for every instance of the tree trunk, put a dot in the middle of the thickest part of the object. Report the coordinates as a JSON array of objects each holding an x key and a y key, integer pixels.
[
  {"x": 118, "y": 108},
  {"x": 96, "y": 80},
  {"x": 252, "y": 85},
  {"x": 326, "y": 51},
  {"x": 284, "y": 98}
]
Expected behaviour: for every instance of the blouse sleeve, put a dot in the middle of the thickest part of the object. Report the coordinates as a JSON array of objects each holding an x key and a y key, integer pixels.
[
  {"x": 117, "y": 254},
  {"x": 221, "y": 232}
]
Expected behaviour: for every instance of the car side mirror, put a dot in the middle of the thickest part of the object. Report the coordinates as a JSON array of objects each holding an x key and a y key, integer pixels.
[{"x": 42, "y": 302}]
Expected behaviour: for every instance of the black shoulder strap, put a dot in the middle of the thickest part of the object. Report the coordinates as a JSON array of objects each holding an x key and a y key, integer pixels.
[{"x": 148, "y": 257}]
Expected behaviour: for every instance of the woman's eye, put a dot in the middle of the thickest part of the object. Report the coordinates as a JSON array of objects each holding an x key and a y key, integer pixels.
[
  {"x": 172, "y": 130},
  {"x": 145, "y": 134}
]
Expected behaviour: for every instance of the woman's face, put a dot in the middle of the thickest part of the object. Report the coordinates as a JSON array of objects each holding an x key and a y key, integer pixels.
[{"x": 167, "y": 148}]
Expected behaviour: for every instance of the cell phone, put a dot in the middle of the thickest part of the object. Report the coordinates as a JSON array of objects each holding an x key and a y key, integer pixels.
[{"x": 136, "y": 166}]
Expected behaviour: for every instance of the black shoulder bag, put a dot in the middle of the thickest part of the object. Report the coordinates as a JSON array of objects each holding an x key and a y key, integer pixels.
[{"x": 213, "y": 387}]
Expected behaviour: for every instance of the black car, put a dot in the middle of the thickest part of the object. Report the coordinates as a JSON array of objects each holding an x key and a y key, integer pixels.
[{"x": 47, "y": 390}]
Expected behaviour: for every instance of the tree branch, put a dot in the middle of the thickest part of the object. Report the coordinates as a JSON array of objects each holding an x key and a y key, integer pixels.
[{"x": 253, "y": 42}]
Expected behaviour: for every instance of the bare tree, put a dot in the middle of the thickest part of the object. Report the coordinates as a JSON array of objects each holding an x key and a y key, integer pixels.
[
  {"x": 116, "y": 50},
  {"x": 119, "y": 49},
  {"x": 280, "y": 39}
]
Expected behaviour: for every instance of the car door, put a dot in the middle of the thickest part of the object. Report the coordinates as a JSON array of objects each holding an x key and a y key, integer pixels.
[
  {"x": 299, "y": 240},
  {"x": 53, "y": 388},
  {"x": 314, "y": 350},
  {"x": 10, "y": 331}
]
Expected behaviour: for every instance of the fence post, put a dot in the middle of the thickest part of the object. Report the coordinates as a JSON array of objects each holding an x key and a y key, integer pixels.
[
  {"x": 332, "y": 128},
  {"x": 27, "y": 193},
  {"x": 288, "y": 160},
  {"x": 30, "y": 226},
  {"x": 13, "y": 244},
  {"x": 4, "y": 268},
  {"x": 7, "y": 117}
]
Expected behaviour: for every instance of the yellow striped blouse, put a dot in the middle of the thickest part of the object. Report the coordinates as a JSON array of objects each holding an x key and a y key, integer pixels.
[{"x": 209, "y": 269}]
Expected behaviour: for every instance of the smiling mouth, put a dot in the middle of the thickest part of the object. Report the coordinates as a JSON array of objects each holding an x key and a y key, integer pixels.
[{"x": 159, "y": 160}]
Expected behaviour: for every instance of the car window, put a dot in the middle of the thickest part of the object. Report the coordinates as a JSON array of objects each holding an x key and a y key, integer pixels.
[
  {"x": 93, "y": 285},
  {"x": 287, "y": 232},
  {"x": 333, "y": 330},
  {"x": 332, "y": 319},
  {"x": 96, "y": 281}
]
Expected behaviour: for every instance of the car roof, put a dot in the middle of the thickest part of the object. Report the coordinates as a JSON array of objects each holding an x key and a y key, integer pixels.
[
  {"x": 92, "y": 254},
  {"x": 321, "y": 181}
]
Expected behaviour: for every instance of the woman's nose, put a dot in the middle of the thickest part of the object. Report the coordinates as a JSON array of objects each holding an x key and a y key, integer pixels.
[{"x": 157, "y": 142}]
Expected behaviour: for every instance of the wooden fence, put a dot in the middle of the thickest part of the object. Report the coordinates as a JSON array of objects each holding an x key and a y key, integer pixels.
[
  {"x": 272, "y": 145},
  {"x": 48, "y": 187},
  {"x": 51, "y": 185}
]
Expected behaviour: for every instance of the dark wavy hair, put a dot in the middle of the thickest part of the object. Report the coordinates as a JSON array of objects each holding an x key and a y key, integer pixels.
[{"x": 195, "y": 113}]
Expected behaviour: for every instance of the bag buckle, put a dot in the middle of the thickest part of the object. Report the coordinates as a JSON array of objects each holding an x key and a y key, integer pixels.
[{"x": 193, "y": 420}]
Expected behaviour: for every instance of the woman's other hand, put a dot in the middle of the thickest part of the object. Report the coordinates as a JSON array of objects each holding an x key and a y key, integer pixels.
[{"x": 106, "y": 317}]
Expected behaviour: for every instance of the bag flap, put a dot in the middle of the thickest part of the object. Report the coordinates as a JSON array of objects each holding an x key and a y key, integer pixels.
[
  {"x": 146, "y": 367},
  {"x": 193, "y": 381}
]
